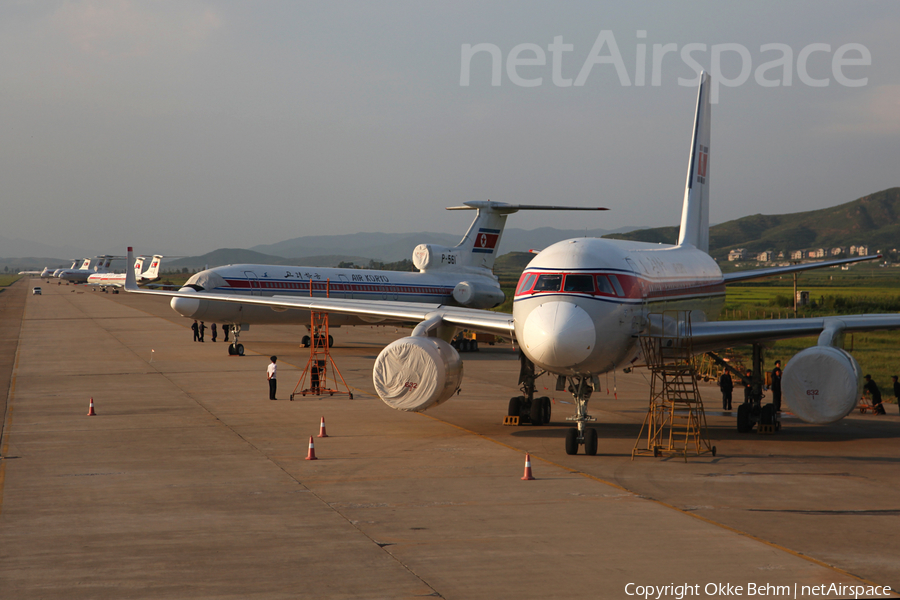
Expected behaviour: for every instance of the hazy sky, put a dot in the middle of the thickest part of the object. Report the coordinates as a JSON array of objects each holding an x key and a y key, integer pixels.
[{"x": 185, "y": 126}]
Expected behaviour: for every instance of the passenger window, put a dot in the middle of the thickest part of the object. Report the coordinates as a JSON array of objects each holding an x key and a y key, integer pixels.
[
  {"x": 526, "y": 282},
  {"x": 617, "y": 285},
  {"x": 603, "y": 285},
  {"x": 548, "y": 283},
  {"x": 579, "y": 283}
]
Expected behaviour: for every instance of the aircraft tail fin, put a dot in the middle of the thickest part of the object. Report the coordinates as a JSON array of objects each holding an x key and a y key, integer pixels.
[
  {"x": 695, "y": 210},
  {"x": 478, "y": 247},
  {"x": 138, "y": 265},
  {"x": 152, "y": 271},
  {"x": 85, "y": 265}
]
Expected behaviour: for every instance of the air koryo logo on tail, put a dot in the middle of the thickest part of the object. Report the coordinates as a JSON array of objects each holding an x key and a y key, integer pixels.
[
  {"x": 702, "y": 160},
  {"x": 486, "y": 240}
]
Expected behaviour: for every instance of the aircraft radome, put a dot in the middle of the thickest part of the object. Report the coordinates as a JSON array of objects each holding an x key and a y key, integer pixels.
[{"x": 581, "y": 306}]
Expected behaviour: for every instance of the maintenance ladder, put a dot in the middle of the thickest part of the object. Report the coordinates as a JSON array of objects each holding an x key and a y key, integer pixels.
[{"x": 676, "y": 422}]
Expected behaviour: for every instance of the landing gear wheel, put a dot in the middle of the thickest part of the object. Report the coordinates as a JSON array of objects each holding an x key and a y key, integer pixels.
[
  {"x": 351, "y": 395},
  {"x": 305, "y": 341},
  {"x": 230, "y": 349},
  {"x": 713, "y": 450},
  {"x": 767, "y": 414},
  {"x": 547, "y": 409},
  {"x": 239, "y": 349},
  {"x": 537, "y": 412},
  {"x": 590, "y": 442},
  {"x": 744, "y": 424},
  {"x": 330, "y": 342},
  {"x": 572, "y": 441},
  {"x": 515, "y": 406}
]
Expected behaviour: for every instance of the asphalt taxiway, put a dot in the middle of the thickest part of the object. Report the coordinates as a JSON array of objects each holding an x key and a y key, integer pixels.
[{"x": 189, "y": 482}]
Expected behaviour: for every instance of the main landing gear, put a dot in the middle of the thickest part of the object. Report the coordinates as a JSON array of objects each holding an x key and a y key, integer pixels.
[
  {"x": 528, "y": 408},
  {"x": 235, "y": 348},
  {"x": 581, "y": 388}
]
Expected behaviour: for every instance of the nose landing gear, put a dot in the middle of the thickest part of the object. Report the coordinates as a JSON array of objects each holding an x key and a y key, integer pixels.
[{"x": 581, "y": 388}]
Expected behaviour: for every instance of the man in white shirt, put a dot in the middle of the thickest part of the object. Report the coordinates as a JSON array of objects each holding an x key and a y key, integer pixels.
[{"x": 270, "y": 375}]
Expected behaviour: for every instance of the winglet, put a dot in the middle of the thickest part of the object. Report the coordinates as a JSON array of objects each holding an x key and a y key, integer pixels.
[{"x": 130, "y": 281}]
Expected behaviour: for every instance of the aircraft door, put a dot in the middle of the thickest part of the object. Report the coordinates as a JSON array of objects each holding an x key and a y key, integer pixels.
[
  {"x": 639, "y": 312},
  {"x": 344, "y": 291},
  {"x": 254, "y": 283}
]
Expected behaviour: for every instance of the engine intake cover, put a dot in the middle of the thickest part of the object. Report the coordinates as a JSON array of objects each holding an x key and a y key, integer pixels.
[
  {"x": 822, "y": 384},
  {"x": 416, "y": 373}
]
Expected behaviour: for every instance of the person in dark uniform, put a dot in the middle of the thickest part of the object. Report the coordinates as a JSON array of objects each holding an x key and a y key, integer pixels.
[
  {"x": 202, "y": 331},
  {"x": 776, "y": 386},
  {"x": 212, "y": 330},
  {"x": 726, "y": 385},
  {"x": 196, "y": 329},
  {"x": 872, "y": 387},
  {"x": 314, "y": 378},
  {"x": 271, "y": 372},
  {"x": 226, "y": 328}
]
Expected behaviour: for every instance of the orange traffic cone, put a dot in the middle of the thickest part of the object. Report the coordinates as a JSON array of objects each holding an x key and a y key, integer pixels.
[
  {"x": 527, "y": 476},
  {"x": 312, "y": 450},
  {"x": 91, "y": 412},
  {"x": 322, "y": 429}
]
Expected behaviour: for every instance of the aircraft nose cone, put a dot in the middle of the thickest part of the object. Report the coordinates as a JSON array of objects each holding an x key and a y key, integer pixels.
[
  {"x": 559, "y": 334},
  {"x": 186, "y": 307}
]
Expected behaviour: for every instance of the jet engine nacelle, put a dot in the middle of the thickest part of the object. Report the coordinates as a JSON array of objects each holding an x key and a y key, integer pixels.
[
  {"x": 822, "y": 384},
  {"x": 426, "y": 256},
  {"x": 477, "y": 295},
  {"x": 416, "y": 373}
]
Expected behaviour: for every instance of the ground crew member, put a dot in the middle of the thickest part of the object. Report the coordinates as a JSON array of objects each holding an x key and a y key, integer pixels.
[
  {"x": 872, "y": 387},
  {"x": 726, "y": 385},
  {"x": 196, "y": 329},
  {"x": 776, "y": 386},
  {"x": 202, "y": 330},
  {"x": 270, "y": 375},
  {"x": 212, "y": 330},
  {"x": 226, "y": 328}
]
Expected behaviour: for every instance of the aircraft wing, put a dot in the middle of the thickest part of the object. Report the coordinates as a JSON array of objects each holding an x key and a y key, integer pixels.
[
  {"x": 714, "y": 335},
  {"x": 760, "y": 273},
  {"x": 412, "y": 312}
]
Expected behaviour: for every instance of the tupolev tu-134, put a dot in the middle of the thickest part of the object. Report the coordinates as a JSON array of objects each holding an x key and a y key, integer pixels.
[{"x": 582, "y": 305}]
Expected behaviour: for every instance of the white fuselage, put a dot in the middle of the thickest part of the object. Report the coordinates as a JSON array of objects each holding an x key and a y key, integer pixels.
[
  {"x": 350, "y": 284},
  {"x": 581, "y": 303}
]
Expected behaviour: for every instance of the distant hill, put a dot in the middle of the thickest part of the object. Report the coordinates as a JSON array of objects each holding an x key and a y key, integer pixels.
[
  {"x": 399, "y": 246},
  {"x": 236, "y": 256},
  {"x": 873, "y": 220}
]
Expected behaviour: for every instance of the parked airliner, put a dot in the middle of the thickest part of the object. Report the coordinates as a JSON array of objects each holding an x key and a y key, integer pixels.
[
  {"x": 582, "y": 305},
  {"x": 117, "y": 280},
  {"x": 460, "y": 276}
]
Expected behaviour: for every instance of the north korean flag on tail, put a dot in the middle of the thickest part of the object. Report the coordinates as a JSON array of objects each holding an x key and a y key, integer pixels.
[{"x": 486, "y": 240}]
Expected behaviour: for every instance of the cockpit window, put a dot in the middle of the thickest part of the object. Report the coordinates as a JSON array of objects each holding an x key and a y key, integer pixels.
[
  {"x": 579, "y": 283},
  {"x": 617, "y": 285},
  {"x": 603, "y": 285},
  {"x": 526, "y": 282},
  {"x": 548, "y": 283}
]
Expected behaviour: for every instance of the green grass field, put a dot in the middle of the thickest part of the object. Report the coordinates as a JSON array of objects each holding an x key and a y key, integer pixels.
[{"x": 6, "y": 280}]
